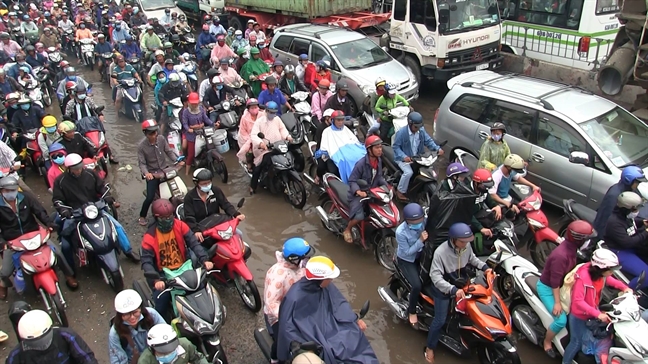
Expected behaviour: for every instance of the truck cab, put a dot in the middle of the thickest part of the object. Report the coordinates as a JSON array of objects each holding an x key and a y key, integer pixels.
[
  {"x": 197, "y": 9},
  {"x": 439, "y": 39}
]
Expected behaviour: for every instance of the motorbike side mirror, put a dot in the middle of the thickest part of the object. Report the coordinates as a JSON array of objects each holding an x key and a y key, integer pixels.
[
  {"x": 100, "y": 109},
  {"x": 240, "y": 203},
  {"x": 364, "y": 309},
  {"x": 362, "y": 184},
  {"x": 261, "y": 135},
  {"x": 606, "y": 307}
]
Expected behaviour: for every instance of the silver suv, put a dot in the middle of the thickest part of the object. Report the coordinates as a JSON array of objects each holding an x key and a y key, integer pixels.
[
  {"x": 355, "y": 59},
  {"x": 576, "y": 142}
]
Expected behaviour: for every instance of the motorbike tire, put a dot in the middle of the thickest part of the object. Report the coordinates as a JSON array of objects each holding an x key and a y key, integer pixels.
[
  {"x": 145, "y": 292},
  {"x": 58, "y": 310},
  {"x": 113, "y": 211},
  {"x": 215, "y": 353},
  {"x": 220, "y": 169},
  {"x": 385, "y": 251},
  {"x": 47, "y": 96},
  {"x": 504, "y": 284},
  {"x": 300, "y": 161},
  {"x": 253, "y": 292},
  {"x": 540, "y": 251},
  {"x": 299, "y": 189},
  {"x": 490, "y": 353},
  {"x": 43, "y": 172},
  {"x": 104, "y": 166},
  {"x": 116, "y": 281}
]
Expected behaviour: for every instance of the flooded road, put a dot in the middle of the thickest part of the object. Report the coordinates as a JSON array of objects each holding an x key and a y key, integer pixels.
[{"x": 270, "y": 220}]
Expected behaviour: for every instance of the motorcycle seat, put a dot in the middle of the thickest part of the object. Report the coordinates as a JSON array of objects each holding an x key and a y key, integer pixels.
[
  {"x": 532, "y": 281},
  {"x": 583, "y": 212},
  {"x": 341, "y": 189},
  {"x": 388, "y": 153}
]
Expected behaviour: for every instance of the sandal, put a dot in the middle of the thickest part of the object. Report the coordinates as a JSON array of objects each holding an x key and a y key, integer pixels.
[
  {"x": 551, "y": 353},
  {"x": 348, "y": 237},
  {"x": 429, "y": 358},
  {"x": 142, "y": 221},
  {"x": 3, "y": 336}
]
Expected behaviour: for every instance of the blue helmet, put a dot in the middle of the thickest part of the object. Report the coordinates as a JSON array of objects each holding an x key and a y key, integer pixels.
[
  {"x": 271, "y": 105},
  {"x": 128, "y": 37},
  {"x": 55, "y": 147},
  {"x": 413, "y": 211},
  {"x": 631, "y": 174},
  {"x": 460, "y": 230},
  {"x": 303, "y": 57},
  {"x": 415, "y": 118},
  {"x": 296, "y": 249}
]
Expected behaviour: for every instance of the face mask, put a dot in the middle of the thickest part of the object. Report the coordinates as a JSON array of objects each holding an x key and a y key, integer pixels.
[
  {"x": 239, "y": 37},
  {"x": 25, "y": 106},
  {"x": 206, "y": 189},
  {"x": 14, "y": 106},
  {"x": 10, "y": 196},
  {"x": 21, "y": 63},
  {"x": 230, "y": 33},
  {"x": 633, "y": 215},
  {"x": 82, "y": 26},
  {"x": 165, "y": 225},
  {"x": 270, "y": 115},
  {"x": 169, "y": 358},
  {"x": 59, "y": 160},
  {"x": 162, "y": 79},
  {"x": 496, "y": 137},
  {"x": 418, "y": 226},
  {"x": 253, "y": 111},
  {"x": 72, "y": 78},
  {"x": 219, "y": 87},
  {"x": 118, "y": 27},
  {"x": 261, "y": 46},
  {"x": 50, "y": 130},
  {"x": 82, "y": 96}
]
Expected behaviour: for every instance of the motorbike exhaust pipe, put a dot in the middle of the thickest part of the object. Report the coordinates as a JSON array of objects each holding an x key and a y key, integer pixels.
[
  {"x": 308, "y": 178},
  {"x": 323, "y": 215},
  {"x": 388, "y": 297},
  {"x": 522, "y": 322}
]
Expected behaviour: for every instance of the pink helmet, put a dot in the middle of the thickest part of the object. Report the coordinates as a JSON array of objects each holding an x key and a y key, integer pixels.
[{"x": 72, "y": 160}]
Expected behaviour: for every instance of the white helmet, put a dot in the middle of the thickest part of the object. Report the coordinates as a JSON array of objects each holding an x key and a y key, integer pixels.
[
  {"x": 328, "y": 112},
  {"x": 605, "y": 259},
  {"x": 629, "y": 200},
  {"x": 307, "y": 358},
  {"x": 162, "y": 338},
  {"x": 159, "y": 53},
  {"x": 514, "y": 161},
  {"x": 127, "y": 301},
  {"x": 216, "y": 80},
  {"x": 35, "y": 324},
  {"x": 380, "y": 81}
]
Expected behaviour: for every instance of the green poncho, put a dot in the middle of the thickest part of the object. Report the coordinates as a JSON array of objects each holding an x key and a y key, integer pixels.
[
  {"x": 492, "y": 154},
  {"x": 254, "y": 67}
]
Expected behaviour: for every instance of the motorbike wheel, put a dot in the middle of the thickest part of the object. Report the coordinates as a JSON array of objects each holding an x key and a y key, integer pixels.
[
  {"x": 136, "y": 117},
  {"x": 505, "y": 285},
  {"x": 497, "y": 354},
  {"x": 220, "y": 169},
  {"x": 43, "y": 172},
  {"x": 327, "y": 206},
  {"x": 300, "y": 162},
  {"x": 386, "y": 251},
  {"x": 540, "y": 252},
  {"x": 116, "y": 281},
  {"x": 58, "y": 310},
  {"x": 216, "y": 353},
  {"x": 297, "y": 193},
  {"x": 104, "y": 166},
  {"x": 47, "y": 96},
  {"x": 249, "y": 293},
  {"x": 113, "y": 211}
]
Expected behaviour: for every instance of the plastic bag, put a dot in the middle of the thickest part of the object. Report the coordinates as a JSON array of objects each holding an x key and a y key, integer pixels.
[
  {"x": 599, "y": 348},
  {"x": 89, "y": 123}
]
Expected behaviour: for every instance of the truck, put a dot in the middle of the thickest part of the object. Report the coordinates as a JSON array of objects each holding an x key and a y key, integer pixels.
[
  {"x": 197, "y": 9},
  {"x": 439, "y": 39},
  {"x": 627, "y": 61},
  {"x": 353, "y": 14}
]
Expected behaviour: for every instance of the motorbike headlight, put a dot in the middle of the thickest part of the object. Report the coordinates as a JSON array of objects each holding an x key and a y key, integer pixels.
[
  {"x": 226, "y": 234},
  {"x": 171, "y": 174},
  {"x": 536, "y": 204},
  {"x": 102, "y": 140},
  {"x": 283, "y": 148},
  {"x": 303, "y": 108},
  {"x": 226, "y": 105},
  {"x": 196, "y": 324},
  {"x": 91, "y": 212},
  {"x": 536, "y": 224},
  {"x": 33, "y": 243},
  {"x": 636, "y": 346}
]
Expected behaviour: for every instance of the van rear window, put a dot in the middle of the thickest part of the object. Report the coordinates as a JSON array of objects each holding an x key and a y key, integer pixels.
[{"x": 470, "y": 106}]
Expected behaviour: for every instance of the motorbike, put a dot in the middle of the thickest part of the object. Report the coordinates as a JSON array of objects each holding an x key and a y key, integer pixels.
[
  {"x": 205, "y": 55},
  {"x": 55, "y": 57},
  {"x": 132, "y": 100},
  {"x": 378, "y": 228},
  {"x": 35, "y": 155},
  {"x": 68, "y": 40},
  {"x": 423, "y": 183},
  {"x": 481, "y": 320},
  {"x": 46, "y": 85},
  {"x": 33, "y": 90},
  {"x": 196, "y": 304},
  {"x": 87, "y": 52},
  {"x": 98, "y": 140},
  {"x": 229, "y": 120},
  {"x": 574, "y": 211},
  {"x": 136, "y": 62},
  {"x": 190, "y": 69},
  {"x": 172, "y": 187},
  {"x": 303, "y": 113},
  {"x": 174, "y": 132},
  {"x": 281, "y": 177},
  {"x": 35, "y": 258},
  {"x": 298, "y": 133},
  {"x": 96, "y": 238},
  {"x": 107, "y": 61},
  {"x": 265, "y": 340},
  {"x": 206, "y": 153}
]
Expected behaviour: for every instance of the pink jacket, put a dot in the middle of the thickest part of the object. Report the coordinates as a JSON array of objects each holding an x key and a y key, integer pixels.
[
  {"x": 245, "y": 128},
  {"x": 318, "y": 102},
  {"x": 274, "y": 130},
  {"x": 583, "y": 304},
  {"x": 279, "y": 279},
  {"x": 220, "y": 52}
]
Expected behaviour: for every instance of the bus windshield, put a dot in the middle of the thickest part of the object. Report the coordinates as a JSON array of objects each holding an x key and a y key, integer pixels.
[{"x": 470, "y": 14}]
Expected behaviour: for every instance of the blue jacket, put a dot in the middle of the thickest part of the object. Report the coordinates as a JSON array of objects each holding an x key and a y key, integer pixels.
[
  {"x": 28, "y": 120},
  {"x": 38, "y": 60},
  {"x": 118, "y": 35},
  {"x": 128, "y": 51},
  {"x": 607, "y": 205},
  {"x": 409, "y": 242},
  {"x": 403, "y": 146},
  {"x": 120, "y": 353},
  {"x": 104, "y": 47},
  {"x": 204, "y": 39},
  {"x": 277, "y": 96},
  {"x": 13, "y": 71}
]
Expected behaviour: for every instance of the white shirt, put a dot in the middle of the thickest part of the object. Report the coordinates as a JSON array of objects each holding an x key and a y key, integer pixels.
[
  {"x": 204, "y": 86},
  {"x": 498, "y": 175},
  {"x": 65, "y": 25},
  {"x": 300, "y": 70},
  {"x": 260, "y": 36}
]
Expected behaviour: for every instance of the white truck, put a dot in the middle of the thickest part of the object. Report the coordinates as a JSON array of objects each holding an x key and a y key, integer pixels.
[{"x": 439, "y": 39}]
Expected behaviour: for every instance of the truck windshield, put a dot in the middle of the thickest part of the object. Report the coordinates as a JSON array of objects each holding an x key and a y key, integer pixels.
[
  {"x": 470, "y": 14},
  {"x": 157, "y": 4},
  {"x": 359, "y": 53},
  {"x": 621, "y": 136}
]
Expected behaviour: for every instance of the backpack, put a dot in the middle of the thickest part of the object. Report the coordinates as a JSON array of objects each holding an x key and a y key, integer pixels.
[{"x": 566, "y": 289}]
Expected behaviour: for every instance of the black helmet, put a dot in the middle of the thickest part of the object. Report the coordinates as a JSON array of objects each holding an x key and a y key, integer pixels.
[
  {"x": 202, "y": 174},
  {"x": 498, "y": 126},
  {"x": 211, "y": 73},
  {"x": 30, "y": 48},
  {"x": 168, "y": 61}
]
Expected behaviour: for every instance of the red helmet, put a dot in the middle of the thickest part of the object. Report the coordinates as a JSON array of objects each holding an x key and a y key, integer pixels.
[
  {"x": 118, "y": 16},
  {"x": 162, "y": 207},
  {"x": 372, "y": 141},
  {"x": 70, "y": 85},
  {"x": 337, "y": 114},
  {"x": 64, "y": 64},
  {"x": 579, "y": 231},
  {"x": 149, "y": 125},
  {"x": 485, "y": 178}
]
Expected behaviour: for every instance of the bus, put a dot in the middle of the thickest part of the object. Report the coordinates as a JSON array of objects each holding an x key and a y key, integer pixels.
[{"x": 572, "y": 33}]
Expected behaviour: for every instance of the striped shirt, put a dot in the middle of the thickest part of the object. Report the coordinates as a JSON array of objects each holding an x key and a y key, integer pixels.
[{"x": 7, "y": 156}]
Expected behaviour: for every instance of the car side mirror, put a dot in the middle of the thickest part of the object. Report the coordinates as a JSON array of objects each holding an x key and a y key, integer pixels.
[
  {"x": 240, "y": 203},
  {"x": 362, "y": 184},
  {"x": 579, "y": 158},
  {"x": 364, "y": 309}
]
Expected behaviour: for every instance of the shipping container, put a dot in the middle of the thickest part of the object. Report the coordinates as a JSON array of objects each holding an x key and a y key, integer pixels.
[{"x": 306, "y": 9}]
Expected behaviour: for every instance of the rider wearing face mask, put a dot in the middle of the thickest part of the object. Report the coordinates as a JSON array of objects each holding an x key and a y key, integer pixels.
[
  {"x": 28, "y": 117},
  {"x": 495, "y": 149},
  {"x": 21, "y": 61},
  {"x": 626, "y": 235},
  {"x": 239, "y": 41},
  {"x": 57, "y": 155},
  {"x": 75, "y": 142},
  {"x": 46, "y": 137},
  {"x": 166, "y": 347}
]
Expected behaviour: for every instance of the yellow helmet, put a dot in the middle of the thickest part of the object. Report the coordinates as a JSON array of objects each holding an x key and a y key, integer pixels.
[
  {"x": 49, "y": 121},
  {"x": 320, "y": 268},
  {"x": 66, "y": 126}
]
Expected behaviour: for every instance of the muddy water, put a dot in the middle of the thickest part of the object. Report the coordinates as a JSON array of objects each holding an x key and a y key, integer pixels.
[{"x": 270, "y": 220}]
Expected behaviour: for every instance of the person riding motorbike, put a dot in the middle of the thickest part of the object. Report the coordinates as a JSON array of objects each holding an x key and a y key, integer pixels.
[
  {"x": 165, "y": 245},
  {"x": 589, "y": 281},
  {"x": 161, "y": 80},
  {"x": 25, "y": 78},
  {"x": 410, "y": 142},
  {"x": 174, "y": 88},
  {"x": 317, "y": 74},
  {"x": 243, "y": 56},
  {"x": 118, "y": 34},
  {"x": 221, "y": 50},
  {"x": 277, "y": 69},
  {"x": 411, "y": 237},
  {"x": 9, "y": 46},
  {"x": 138, "y": 18},
  {"x": 28, "y": 117},
  {"x": 100, "y": 48},
  {"x": 289, "y": 83},
  {"x": 165, "y": 19},
  {"x": 70, "y": 90},
  {"x": 215, "y": 27},
  {"x": 170, "y": 53},
  {"x": 19, "y": 213},
  {"x": 254, "y": 67},
  {"x": 273, "y": 94},
  {"x": 28, "y": 28},
  {"x": 122, "y": 71},
  {"x": 130, "y": 325},
  {"x": 508, "y": 172},
  {"x": 82, "y": 32},
  {"x": 164, "y": 346},
  {"x": 193, "y": 118},
  {"x": 328, "y": 320},
  {"x": 130, "y": 49},
  {"x": 389, "y": 100},
  {"x": 448, "y": 266},
  {"x": 495, "y": 149},
  {"x": 339, "y": 149},
  {"x": 229, "y": 74},
  {"x": 181, "y": 24},
  {"x": 70, "y": 75},
  {"x": 75, "y": 142},
  {"x": 150, "y": 42},
  {"x": 8, "y": 84},
  {"x": 35, "y": 59},
  {"x": 13, "y": 71},
  {"x": 319, "y": 99},
  {"x": 340, "y": 101},
  {"x": 239, "y": 41},
  {"x": 46, "y": 137},
  {"x": 560, "y": 262},
  {"x": 49, "y": 38},
  {"x": 151, "y": 158},
  {"x": 57, "y": 153},
  {"x": 369, "y": 169},
  {"x": 323, "y": 123},
  {"x": 157, "y": 67},
  {"x": 300, "y": 69},
  {"x": 288, "y": 269},
  {"x": 273, "y": 130},
  {"x": 42, "y": 342},
  {"x": 157, "y": 27},
  {"x": 631, "y": 176},
  {"x": 205, "y": 38},
  {"x": 81, "y": 105},
  {"x": 248, "y": 119},
  {"x": 215, "y": 95}
]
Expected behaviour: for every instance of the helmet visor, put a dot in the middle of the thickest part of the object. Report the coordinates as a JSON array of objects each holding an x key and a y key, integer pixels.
[
  {"x": 167, "y": 348},
  {"x": 40, "y": 343}
]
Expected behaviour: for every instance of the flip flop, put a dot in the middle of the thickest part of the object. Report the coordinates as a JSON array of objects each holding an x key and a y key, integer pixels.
[
  {"x": 428, "y": 359},
  {"x": 551, "y": 353},
  {"x": 142, "y": 221},
  {"x": 348, "y": 237},
  {"x": 3, "y": 336}
]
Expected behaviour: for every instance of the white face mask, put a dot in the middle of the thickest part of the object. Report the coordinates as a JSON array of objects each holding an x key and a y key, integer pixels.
[{"x": 633, "y": 215}]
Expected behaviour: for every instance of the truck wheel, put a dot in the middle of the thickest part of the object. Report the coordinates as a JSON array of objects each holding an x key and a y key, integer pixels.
[
  {"x": 235, "y": 22},
  {"x": 507, "y": 49},
  {"x": 414, "y": 67}
]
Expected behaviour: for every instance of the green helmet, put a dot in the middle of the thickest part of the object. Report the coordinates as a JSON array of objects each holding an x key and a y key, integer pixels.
[
  {"x": 254, "y": 50},
  {"x": 241, "y": 51}
]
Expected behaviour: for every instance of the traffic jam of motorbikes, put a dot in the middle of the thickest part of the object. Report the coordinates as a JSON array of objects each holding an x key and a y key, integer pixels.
[{"x": 463, "y": 253}]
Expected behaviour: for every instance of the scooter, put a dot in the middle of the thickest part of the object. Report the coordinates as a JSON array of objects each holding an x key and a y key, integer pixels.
[
  {"x": 55, "y": 57},
  {"x": 35, "y": 155},
  {"x": 46, "y": 86},
  {"x": 197, "y": 306},
  {"x": 87, "y": 52},
  {"x": 206, "y": 153},
  {"x": 298, "y": 134},
  {"x": 98, "y": 140},
  {"x": 190, "y": 69},
  {"x": 303, "y": 113},
  {"x": 96, "y": 238},
  {"x": 68, "y": 40},
  {"x": 36, "y": 259},
  {"x": 481, "y": 320},
  {"x": 424, "y": 182},
  {"x": 229, "y": 119},
  {"x": 281, "y": 176},
  {"x": 379, "y": 225},
  {"x": 107, "y": 61},
  {"x": 34, "y": 93},
  {"x": 172, "y": 187},
  {"x": 132, "y": 100},
  {"x": 136, "y": 62}
]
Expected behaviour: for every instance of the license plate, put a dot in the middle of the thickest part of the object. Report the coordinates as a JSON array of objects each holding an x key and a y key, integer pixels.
[{"x": 482, "y": 67}]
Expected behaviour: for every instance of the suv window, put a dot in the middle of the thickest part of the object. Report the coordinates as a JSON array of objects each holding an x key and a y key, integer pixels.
[
  {"x": 283, "y": 43},
  {"x": 470, "y": 106},
  {"x": 318, "y": 52},
  {"x": 299, "y": 46},
  {"x": 518, "y": 119},
  {"x": 558, "y": 137}
]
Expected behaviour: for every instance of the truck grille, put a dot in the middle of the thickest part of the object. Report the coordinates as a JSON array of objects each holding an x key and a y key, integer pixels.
[{"x": 473, "y": 55}]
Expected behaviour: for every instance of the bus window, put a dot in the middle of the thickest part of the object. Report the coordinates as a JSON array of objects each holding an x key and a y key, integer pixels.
[
  {"x": 607, "y": 6},
  {"x": 555, "y": 13},
  {"x": 422, "y": 12}
]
